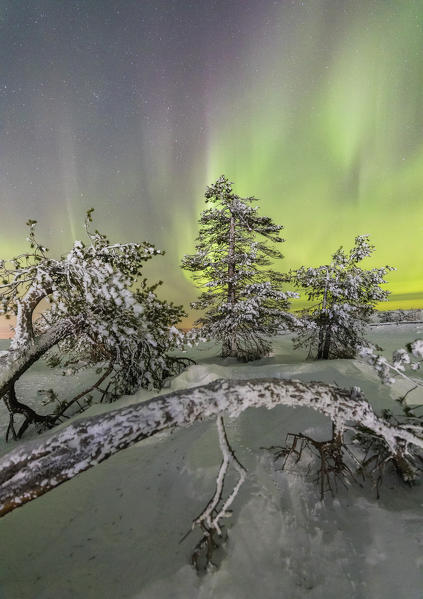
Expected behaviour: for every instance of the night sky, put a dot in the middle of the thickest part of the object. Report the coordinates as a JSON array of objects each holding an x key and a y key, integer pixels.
[{"x": 133, "y": 107}]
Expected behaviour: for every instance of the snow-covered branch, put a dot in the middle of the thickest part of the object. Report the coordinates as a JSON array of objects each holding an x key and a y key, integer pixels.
[
  {"x": 404, "y": 361},
  {"x": 16, "y": 362},
  {"x": 127, "y": 330},
  {"x": 41, "y": 465}
]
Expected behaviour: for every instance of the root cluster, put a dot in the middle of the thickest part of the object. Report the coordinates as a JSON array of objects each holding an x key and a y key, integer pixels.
[{"x": 367, "y": 457}]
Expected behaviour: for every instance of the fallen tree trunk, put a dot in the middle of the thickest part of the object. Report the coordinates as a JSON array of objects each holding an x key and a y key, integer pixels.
[{"x": 43, "y": 464}]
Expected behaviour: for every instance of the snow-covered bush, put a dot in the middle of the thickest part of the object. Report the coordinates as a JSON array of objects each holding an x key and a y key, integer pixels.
[
  {"x": 243, "y": 301},
  {"x": 98, "y": 311},
  {"x": 343, "y": 297}
]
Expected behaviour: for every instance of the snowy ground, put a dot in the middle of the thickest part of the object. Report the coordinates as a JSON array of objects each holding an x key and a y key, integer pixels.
[{"x": 114, "y": 531}]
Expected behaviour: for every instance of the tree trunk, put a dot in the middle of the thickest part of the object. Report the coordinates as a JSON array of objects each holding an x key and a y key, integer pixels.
[
  {"x": 230, "y": 346},
  {"x": 324, "y": 329},
  {"x": 24, "y": 333},
  {"x": 42, "y": 464},
  {"x": 13, "y": 365},
  {"x": 321, "y": 341},
  {"x": 18, "y": 361},
  {"x": 326, "y": 345}
]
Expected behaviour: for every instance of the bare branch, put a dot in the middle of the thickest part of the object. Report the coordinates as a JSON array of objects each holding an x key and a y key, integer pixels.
[{"x": 217, "y": 508}]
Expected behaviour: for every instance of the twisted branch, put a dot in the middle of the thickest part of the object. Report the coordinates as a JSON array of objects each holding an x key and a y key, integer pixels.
[{"x": 209, "y": 519}]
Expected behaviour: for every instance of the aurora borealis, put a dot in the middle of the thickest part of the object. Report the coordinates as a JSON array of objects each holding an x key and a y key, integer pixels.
[{"x": 133, "y": 107}]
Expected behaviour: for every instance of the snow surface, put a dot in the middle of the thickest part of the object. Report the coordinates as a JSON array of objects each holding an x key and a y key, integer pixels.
[{"x": 114, "y": 531}]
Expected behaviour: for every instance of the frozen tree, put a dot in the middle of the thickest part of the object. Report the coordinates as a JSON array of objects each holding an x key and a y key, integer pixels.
[
  {"x": 343, "y": 297},
  {"x": 98, "y": 310},
  {"x": 242, "y": 298}
]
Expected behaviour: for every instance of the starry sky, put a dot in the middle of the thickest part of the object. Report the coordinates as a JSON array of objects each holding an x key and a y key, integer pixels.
[{"x": 134, "y": 106}]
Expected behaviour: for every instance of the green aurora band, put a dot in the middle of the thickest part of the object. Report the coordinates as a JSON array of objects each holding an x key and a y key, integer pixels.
[
  {"x": 315, "y": 107},
  {"x": 325, "y": 125}
]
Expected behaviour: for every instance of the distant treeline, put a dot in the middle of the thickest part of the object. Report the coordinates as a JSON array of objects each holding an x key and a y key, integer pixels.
[{"x": 397, "y": 315}]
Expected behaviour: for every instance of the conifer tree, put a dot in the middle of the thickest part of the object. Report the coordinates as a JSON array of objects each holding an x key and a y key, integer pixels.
[
  {"x": 99, "y": 311},
  {"x": 343, "y": 297},
  {"x": 243, "y": 301}
]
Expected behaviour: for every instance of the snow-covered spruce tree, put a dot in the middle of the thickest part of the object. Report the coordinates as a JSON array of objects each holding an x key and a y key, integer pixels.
[
  {"x": 243, "y": 300},
  {"x": 343, "y": 297},
  {"x": 98, "y": 311}
]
